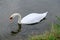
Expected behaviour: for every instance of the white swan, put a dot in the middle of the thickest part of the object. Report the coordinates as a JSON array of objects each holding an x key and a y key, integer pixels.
[{"x": 29, "y": 19}]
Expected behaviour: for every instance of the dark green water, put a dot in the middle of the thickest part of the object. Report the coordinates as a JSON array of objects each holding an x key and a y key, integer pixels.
[{"x": 24, "y": 7}]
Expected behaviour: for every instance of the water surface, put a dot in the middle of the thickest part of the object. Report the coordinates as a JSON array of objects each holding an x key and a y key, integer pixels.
[{"x": 25, "y": 7}]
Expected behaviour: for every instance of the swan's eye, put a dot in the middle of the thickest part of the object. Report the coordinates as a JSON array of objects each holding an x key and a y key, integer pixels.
[{"x": 11, "y": 18}]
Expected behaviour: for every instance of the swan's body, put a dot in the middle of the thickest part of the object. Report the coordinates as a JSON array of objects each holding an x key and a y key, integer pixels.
[{"x": 31, "y": 18}]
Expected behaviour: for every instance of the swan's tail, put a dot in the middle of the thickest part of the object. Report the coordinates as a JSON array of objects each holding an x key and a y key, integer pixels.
[{"x": 46, "y": 13}]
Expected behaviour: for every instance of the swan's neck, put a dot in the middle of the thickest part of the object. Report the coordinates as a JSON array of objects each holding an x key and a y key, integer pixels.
[{"x": 19, "y": 16}]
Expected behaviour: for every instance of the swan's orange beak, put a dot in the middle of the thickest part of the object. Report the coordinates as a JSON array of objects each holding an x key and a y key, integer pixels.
[{"x": 11, "y": 19}]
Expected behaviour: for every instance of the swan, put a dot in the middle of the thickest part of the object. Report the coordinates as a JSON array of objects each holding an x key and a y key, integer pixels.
[{"x": 29, "y": 19}]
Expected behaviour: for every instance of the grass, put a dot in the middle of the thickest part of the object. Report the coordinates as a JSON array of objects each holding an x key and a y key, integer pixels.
[{"x": 54, "y": 34}]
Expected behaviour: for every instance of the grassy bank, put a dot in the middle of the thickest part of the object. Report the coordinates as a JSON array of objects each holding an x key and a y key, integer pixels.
[{"x": 54, "y": 34}]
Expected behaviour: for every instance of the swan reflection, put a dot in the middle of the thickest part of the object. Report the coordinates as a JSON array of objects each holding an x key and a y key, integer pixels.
[{"x": 17, "y": 31}]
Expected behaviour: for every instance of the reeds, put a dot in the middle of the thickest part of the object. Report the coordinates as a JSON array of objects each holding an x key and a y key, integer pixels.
[{"x": 54, "y": 34}]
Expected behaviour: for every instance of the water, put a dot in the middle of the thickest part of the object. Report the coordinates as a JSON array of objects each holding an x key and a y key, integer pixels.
[{"x": 24, "y": 7}]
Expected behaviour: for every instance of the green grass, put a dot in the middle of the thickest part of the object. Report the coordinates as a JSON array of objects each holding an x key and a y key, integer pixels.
[{"x": 54, "y": 34}]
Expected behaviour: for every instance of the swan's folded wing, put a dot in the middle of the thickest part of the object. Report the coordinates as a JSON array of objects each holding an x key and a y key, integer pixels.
[{"x": 32, "y": 18}]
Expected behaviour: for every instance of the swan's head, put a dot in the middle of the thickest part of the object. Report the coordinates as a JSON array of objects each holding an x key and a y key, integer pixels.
[
  {"x": 13, "y": 15},
  {"x": 11, "y": 19}
]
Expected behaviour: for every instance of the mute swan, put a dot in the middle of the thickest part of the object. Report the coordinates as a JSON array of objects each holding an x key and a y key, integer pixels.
[{"x": 29, "y": 19}]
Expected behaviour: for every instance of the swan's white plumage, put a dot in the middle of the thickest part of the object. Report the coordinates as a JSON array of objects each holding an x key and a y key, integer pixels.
[{"x": 31, "y": 18}]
